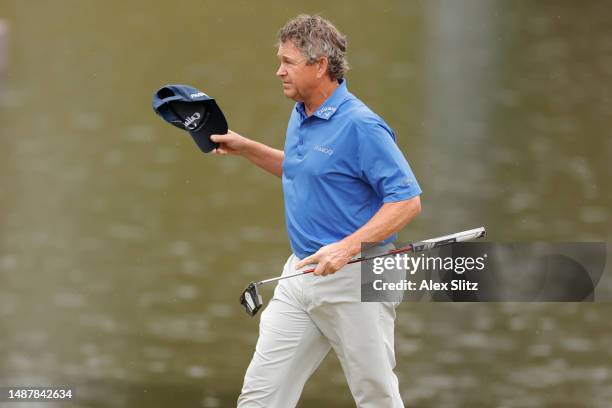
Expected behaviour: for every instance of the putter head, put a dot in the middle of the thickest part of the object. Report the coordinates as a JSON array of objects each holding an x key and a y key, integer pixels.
[{"x": 251, "y": 299}]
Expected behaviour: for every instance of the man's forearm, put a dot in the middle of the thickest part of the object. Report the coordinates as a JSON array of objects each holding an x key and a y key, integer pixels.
[
  {"x": 389, "y": 219},
  {"x": 266, "y": 157}
]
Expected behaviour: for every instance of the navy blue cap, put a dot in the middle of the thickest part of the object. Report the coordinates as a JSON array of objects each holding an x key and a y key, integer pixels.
[{"x": 192, "y": 110}]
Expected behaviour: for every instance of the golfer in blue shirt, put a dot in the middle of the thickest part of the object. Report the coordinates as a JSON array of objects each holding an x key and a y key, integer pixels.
[{"x": 345, "y": 182}]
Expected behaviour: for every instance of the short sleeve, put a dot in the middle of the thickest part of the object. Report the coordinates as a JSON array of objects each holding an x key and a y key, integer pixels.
[{"x": 382, "y": 164}]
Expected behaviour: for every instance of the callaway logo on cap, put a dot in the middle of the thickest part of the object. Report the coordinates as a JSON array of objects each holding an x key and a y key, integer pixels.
[
  {"x": 190, "y": 122},
  {"x": 192, "y": 110}
]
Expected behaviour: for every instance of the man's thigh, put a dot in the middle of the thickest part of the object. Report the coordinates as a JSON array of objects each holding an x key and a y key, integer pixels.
[
  {"x": 362, "y": 337},
  {"x": 290, "y": 347}
]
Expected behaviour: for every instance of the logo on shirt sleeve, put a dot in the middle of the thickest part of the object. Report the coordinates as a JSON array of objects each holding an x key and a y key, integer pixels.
[{"x": 407, "y": 182}]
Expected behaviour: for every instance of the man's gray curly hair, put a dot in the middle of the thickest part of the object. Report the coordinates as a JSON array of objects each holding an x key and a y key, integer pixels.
[{"x": 316, "y": 37}]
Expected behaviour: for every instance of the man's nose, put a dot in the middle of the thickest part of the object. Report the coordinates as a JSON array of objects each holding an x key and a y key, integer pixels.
[{"x": 281, "y": 71}]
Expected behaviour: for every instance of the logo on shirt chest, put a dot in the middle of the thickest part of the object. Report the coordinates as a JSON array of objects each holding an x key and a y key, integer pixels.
[{"x": 325, "y": 150}]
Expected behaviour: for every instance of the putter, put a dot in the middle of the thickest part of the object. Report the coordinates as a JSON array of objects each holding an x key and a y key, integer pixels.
[{"x": 252, "y": 300}]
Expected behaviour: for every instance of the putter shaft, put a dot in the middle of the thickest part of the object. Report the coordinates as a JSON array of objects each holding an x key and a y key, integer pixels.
[{"x": 414, "y": 247}]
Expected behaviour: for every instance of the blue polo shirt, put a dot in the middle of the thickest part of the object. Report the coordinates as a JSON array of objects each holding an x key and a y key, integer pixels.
[{"x": 341, "y": 164}]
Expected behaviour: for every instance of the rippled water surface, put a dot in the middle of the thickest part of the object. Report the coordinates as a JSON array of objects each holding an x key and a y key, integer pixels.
[{"x": 123, "y": 249}]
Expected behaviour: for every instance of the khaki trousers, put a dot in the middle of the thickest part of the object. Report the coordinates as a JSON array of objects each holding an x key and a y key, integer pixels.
[{"x": 308, "y": 316}]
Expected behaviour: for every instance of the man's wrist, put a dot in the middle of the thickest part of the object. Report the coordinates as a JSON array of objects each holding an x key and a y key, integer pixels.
[
  {"x": 249, "y": 147},
  {"x": 353, "y": 246}
]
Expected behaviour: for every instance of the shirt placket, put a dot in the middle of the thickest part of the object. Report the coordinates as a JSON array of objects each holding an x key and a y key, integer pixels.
[{"x": 301, "y": 137}]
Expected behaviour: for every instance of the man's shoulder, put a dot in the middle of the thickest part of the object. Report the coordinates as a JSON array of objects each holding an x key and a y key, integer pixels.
[
  {"x": 364, "y": 121},
  {"x": 360, "y": 113}
]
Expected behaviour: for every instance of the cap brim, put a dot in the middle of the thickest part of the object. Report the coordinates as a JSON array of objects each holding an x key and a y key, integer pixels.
[
  {"x": 212, "y": 121},
  {"x": 215, "y": 124}
]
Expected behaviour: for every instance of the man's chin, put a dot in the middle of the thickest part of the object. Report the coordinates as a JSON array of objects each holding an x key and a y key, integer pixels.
[{"x": 289, "y": 93}]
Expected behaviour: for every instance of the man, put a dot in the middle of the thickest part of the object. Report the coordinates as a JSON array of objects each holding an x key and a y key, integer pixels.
[{"x": 345, "y": 182}]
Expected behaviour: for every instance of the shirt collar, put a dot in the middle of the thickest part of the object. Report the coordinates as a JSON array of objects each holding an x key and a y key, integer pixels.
[{"x": 331, "y": 104}]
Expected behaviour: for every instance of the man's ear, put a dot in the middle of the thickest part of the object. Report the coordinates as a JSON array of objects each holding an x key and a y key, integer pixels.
[{"x": 322, "y": 64}]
